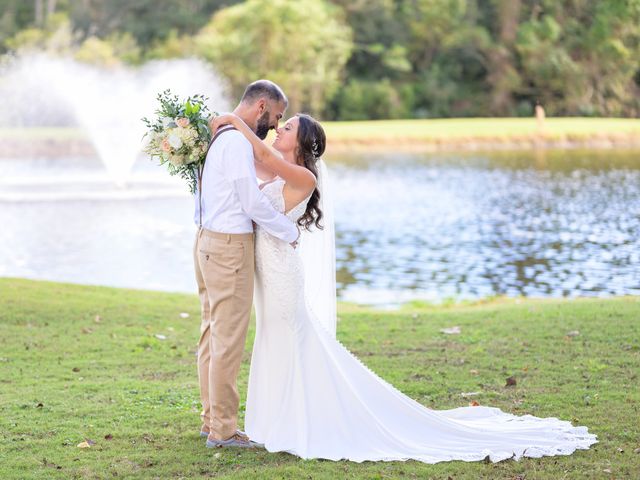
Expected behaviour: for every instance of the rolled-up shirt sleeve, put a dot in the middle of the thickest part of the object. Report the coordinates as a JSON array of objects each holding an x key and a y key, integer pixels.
[{"x": 241, "y": 172}]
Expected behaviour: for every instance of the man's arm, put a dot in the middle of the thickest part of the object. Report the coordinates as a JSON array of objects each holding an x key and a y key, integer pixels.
[
  {"x": 259, "y": 208},
  {"x": 237, "y": 158}
]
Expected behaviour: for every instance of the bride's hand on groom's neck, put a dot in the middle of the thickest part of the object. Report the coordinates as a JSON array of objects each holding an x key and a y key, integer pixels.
[{"x": 217, "y": 121}]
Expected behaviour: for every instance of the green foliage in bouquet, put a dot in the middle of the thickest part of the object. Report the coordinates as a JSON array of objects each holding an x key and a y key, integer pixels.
[{"x": 179, "y": 136}]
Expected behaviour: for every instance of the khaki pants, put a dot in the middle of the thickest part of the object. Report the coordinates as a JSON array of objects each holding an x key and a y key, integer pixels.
[{"x": 224, "y": 265}]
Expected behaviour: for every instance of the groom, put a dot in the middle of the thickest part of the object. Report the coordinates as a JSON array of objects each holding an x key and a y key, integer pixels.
[{"x": 227, "y": 202}]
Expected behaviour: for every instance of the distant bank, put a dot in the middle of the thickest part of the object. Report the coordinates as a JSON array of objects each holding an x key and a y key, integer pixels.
[
  {"x": 392, "y": 135},
  {"x": 484, "y": 133}
]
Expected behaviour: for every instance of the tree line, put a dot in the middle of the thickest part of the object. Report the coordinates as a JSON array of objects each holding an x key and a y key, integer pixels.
[{"x": 368, "y": 59}]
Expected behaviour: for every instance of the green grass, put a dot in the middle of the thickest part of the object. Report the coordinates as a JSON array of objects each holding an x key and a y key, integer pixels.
[
  {"x": 479, "y": 128},
  {"x": 66, "y": 375},
  {"x": 431, "y": 130}
]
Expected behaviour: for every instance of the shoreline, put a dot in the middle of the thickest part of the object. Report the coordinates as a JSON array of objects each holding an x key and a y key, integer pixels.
[
  {"x": 477, "y": 144},
  {"x": 474, "y": 134},
  {"x": 385, "y": 136},
  {"x": 417, "y": 303}
]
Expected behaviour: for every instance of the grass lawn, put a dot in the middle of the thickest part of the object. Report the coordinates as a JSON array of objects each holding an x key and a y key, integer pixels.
[
  {"x": 118, "y": 367},
  {"x": 427, "y": 131},
  {"x": 478, "y": 128}
]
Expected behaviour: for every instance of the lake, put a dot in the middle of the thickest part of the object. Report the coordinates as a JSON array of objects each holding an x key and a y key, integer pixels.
[{"x": 409, "y": 226}]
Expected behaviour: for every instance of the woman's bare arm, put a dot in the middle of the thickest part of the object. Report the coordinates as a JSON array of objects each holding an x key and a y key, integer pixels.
[{"x": 298, "y": 177}]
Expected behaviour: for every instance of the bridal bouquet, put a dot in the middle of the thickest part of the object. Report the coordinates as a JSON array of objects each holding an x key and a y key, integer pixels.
[{"x": 179, "y": 136}]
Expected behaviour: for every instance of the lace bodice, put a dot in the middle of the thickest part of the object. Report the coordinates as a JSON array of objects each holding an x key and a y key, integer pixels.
[
  {"x": 278, "y": 266},
  {"x": 273, "y": 192},
  {"x": 272, "y": 251}
]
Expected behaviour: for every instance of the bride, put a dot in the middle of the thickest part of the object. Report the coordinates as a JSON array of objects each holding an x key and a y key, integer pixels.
[{"x": 307, "y": 394}]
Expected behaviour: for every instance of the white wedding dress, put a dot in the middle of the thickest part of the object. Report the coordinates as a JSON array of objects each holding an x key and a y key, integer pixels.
[{"x": 309, "y": 396}]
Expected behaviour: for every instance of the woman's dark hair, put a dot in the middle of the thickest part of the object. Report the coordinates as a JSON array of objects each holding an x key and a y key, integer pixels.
[{"x": 311, "y": 144}]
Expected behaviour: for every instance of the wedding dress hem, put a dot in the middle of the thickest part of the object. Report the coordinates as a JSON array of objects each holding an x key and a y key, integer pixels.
[{"x": 493, "y": 457}]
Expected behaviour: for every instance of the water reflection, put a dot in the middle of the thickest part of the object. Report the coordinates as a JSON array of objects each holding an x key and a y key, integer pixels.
[
  {"x": 474, "y": 225},
  {"x": 408, "y": 226}
]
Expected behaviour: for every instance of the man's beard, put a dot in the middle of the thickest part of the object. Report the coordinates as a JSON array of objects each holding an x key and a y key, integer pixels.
[{"x": 262, "y": 127}]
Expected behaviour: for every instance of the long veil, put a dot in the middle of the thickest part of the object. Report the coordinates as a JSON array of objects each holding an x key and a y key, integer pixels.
[{"x": 318, "y": 254}]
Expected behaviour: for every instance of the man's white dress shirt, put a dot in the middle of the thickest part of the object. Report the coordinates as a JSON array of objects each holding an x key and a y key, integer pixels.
[{"x": 231, "y": 198}]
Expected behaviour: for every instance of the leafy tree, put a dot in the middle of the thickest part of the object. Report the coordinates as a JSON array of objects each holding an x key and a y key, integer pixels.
[
  {"x": 503, "y": 76},
  {"x": 17, "y": 15},
  {"x": 174, "y": 46},
  {"x": 370, "y": 100},
  {"x": 583, "y": 57},
  {"x": 379, "y": 38},
  {"x": 369, "y": 58},
  {"x": 302, "y": 46},
  {"x": 547, "y": 66},
  {"x": 148, "y": 21},
  {"x": 55, "y": 36},
  {"x": 113, "y": 50},
  {"x": 447, "y": 48}
]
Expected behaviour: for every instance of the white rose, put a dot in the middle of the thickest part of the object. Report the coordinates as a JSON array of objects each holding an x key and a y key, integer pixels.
[
  {"x": 175, "y": 141},
  {"x": 166, "y": 121}
]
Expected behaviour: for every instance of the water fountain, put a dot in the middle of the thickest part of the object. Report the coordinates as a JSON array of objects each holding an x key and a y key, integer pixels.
[{"x": 107, "y": 103}]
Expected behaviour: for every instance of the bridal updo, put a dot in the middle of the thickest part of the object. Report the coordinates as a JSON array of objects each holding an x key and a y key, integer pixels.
[{"x": 311, "y": 144}]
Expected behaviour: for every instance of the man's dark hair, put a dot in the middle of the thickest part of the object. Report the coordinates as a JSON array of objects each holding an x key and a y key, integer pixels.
[{"x": 263, "y": 89}]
